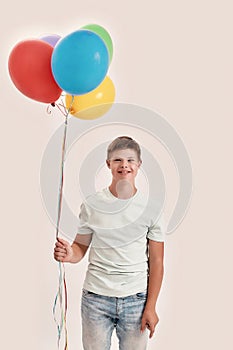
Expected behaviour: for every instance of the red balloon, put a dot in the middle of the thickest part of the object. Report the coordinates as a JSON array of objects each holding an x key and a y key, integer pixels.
[{"x": 30, "y": 70}]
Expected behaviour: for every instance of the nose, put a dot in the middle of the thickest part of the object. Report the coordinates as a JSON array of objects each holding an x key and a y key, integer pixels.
[{"x": 124, "y": 164}]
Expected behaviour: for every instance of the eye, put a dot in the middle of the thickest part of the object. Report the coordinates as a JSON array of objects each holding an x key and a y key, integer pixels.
[{"x": 117, "y": 160}]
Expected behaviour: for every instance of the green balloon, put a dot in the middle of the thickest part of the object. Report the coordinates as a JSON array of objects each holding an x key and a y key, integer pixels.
[{"x": 103, "y": 34}]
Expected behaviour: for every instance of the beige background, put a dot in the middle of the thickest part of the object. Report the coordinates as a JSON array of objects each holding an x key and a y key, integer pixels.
[{"x": 176, "y": 58}]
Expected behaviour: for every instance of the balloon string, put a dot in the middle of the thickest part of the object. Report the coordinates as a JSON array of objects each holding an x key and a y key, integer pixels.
[
  {"x": 61, "y": 179},
  {"x": 62, "y": 280},
  {"x": 48, "y": 110},
  {"x": 62, "y": 168},
  {"x": 59, "y": 107}
]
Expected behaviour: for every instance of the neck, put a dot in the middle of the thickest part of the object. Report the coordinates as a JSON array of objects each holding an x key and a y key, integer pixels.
[{"x": 123, "y": 189}]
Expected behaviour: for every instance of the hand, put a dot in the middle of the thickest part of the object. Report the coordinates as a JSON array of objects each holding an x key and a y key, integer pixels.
[
  {"x": 63, "y": 251},
  {"x": 149, "y": 320}
]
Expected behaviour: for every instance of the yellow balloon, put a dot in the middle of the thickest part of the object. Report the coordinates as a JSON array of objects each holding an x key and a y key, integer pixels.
[{"x": 94, "y": 104}]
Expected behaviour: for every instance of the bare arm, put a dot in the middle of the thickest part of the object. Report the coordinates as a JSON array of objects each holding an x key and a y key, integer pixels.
[
  {"x": 65, "y": 252},
  {"x": 156, "y": 254}
]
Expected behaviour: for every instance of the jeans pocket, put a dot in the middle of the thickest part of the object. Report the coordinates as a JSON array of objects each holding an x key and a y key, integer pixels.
[
  {"x": 141, "y": 295},
  {"x": 87, "y": 293}
]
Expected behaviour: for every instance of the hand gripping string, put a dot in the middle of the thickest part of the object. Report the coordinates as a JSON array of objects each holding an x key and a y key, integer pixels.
[{"x": 62, "y": 281}]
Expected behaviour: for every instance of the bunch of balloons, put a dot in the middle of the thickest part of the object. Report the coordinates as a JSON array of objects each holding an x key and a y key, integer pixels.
[{"x": 76, "y": 64}]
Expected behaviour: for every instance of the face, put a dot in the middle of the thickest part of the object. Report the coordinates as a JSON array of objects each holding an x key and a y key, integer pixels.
[{"x": 124, "y": 164}]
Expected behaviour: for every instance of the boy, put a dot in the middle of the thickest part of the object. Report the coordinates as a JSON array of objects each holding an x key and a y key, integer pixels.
[{"x": 125, "y": 268}]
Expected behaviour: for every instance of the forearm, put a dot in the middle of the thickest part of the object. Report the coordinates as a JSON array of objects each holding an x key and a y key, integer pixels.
[
  {"x": 156, "y": 253},
  {"x": 155, "y": 279},
  {"x": 78, "y": 252}
]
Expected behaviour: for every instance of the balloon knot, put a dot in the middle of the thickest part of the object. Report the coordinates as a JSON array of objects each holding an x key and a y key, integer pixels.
[{"x": 53, "y": 104}]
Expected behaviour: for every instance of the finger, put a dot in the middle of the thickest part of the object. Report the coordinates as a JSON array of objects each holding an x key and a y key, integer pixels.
[
  {"x": 151, "y": 334},
  {"x": 59, "y": 259},
  {"x": 62, "y": 241},
  {"x": 60, "y": 249},
  {"x": 143, "y": 326},
  {"x": 59, "y": 256},
  {"x": 60, "y": 253},
  {"x": 58, "y": 244},
  {"x": 151, "y": 329}
]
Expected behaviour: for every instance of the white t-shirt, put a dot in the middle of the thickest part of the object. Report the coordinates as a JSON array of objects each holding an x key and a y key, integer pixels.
[{"x": 118, "y": 256}]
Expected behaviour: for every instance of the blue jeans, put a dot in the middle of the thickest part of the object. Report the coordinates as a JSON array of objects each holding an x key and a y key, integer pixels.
[{"x": 102, "y": 314}]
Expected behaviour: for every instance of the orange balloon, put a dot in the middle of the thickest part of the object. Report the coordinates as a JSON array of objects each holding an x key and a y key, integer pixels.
[{"x": 94, "y": 104}]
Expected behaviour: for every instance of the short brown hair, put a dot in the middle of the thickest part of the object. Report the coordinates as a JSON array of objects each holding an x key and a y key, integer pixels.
[{"x": 124, "y": 142}]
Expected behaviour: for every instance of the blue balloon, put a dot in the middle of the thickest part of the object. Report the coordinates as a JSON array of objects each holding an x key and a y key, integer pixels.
[{"x": 80, "y": 62}]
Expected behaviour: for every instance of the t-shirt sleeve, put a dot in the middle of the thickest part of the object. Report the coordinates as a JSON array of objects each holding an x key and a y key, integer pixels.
[
  {"x": 157, "y": 230},
  {"x": 83, "y": 226}
]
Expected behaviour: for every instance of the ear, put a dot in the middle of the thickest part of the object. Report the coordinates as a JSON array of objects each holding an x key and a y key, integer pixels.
[
  {"x": 108, "y": 163},
  {"x": 139, "y": 163}
]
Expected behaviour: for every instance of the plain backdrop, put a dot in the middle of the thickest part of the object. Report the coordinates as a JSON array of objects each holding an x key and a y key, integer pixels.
[{"x": 176, "y": 58}]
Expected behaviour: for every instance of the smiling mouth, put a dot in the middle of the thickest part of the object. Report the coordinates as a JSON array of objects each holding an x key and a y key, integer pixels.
[{"x": 124, "y": 172}]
